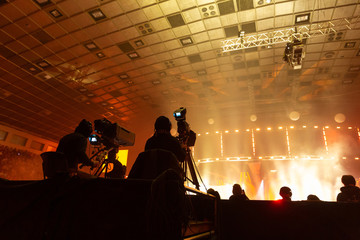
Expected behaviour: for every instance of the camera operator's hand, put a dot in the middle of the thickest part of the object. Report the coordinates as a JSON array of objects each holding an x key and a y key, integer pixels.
[{"x": 95, "y": 163}]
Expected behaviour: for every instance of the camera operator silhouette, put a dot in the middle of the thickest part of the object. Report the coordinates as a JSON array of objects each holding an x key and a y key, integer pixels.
[
  {"x": 162, "y": 152},
  {"x": 162, "y": 139},
  {"x": 74, "y": 145}
]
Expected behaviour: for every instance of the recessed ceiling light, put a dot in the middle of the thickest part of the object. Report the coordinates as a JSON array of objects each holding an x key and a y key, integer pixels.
[
  {"x": 354, "y": 68},
  {"x": 91, "y": 46},
  {"x": 350, "y": 81},
  {"x": 162, "y": 74},
  {"x": 43, "y": 64},
  {"x": 123, "y": 76},
  {"x": 186, "y": 41},
  {"x": 156, "y": 82},
  {"x": 97, "y": 14},
  {"x": 139, "y": 43},
  {"x": 42, "y": 3},
  {"x": 303, "y": 18},
  {"x": 82, "y": 89},
  {"x": 100, "y": 55},
  {"x": 350, "y": 44},
  {"x": 55, "y": 13},
  {"x": 130, "y": 82},
  {"x": 201, "y": 72},
  {"x": 133, "y": 55}
]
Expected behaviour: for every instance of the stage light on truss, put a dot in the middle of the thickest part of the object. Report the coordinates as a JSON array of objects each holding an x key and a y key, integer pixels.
[
  {"x": 237, "y": 130},
  {"x": 356, "y": 158},
  {"x": 269, "y": 128},
  {"x": 257, "y": 129},
  {"x": 349, "y": 128},
  {"x": 226, "y": 131},
  {"x": 248, "y": 130},
  {"x": 338, "y": 127},
  {"x": 280, "y": 127},
  {"x": 292, "y": 127},
  {"x": 304, "y": 126},
  {"x": 316, "y": 126},
  {"x": 326, "y": 126},
  {"x": 207, "y": 133},
  {"x": 199, "y": 134}
]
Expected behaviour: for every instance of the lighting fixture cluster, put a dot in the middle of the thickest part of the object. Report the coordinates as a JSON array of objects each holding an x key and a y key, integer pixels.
[{"x": 271, "y": 129}]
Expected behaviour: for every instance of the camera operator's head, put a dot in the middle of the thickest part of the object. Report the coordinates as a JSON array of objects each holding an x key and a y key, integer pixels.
[
  {"x": 162, "y": 125},
  {"x": 84, "y": 128}
]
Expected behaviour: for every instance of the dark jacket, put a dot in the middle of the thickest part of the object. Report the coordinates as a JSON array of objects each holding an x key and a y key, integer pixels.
[
  {"x": 349, "y": 194},
  {"x": 74, "y": 146},
  {"x": 167, "y": 142},
  {"x": 237, "y": 197}
]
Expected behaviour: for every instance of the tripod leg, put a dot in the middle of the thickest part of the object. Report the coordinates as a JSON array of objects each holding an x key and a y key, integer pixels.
[{"x": 190, "y": 164}]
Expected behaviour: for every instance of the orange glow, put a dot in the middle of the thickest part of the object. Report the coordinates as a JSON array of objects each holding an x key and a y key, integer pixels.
[
  {"x": 236, "y": 130},
  {"x": 269, "y": 128},
  {"x": 226, "y": 131}
]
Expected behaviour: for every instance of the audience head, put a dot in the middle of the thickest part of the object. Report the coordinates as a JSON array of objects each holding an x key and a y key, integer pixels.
[
  {"x": 214, "y": 193},
  {"x": 312, "y": 197},
  {"x": 84, "y": 128},
  {"x": 285, "y": 193},
  {"x": 348, "y": 180},
  {"x": 162, "y": 123},
  {"x": 237, "y": 190}
]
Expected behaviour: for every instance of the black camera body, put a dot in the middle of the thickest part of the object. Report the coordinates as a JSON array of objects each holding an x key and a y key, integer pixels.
[
  {"x": 111, "y": 134},
  {"x": 186, "y": 135}
]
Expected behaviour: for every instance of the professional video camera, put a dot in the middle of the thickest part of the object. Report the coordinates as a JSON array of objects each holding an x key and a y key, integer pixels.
[
  {"x": 108, "y": 138},
  {"x": 111, "y": 135},
  {"x": 186, "y": 135}
]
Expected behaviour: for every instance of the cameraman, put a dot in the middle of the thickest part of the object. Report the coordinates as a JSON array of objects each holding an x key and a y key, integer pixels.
[
  {"x": 162, "y": 139},
  {"x": 74, "y": 146}
]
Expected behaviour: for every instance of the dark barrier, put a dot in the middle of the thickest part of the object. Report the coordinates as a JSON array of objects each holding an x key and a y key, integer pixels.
[
  {"x": 294, "y": 220},
  {"x": 88, "y": 209},
  {"x": 73, "y": 209}
]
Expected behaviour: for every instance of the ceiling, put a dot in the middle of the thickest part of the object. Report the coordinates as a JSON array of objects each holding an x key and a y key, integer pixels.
[{"x": 145, "y": 58}]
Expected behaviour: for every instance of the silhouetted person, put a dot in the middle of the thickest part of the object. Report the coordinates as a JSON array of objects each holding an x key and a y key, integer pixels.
[
  {"x": 285, "y": 193},
  {"x": 73, "y": 146},
  {"x": 238, "y": 193},
  {"x": 350, "y": 192},
  {"x": 313, "y": 197},
  {"x": 162, "y": 139},
  {"x": 214, "y": 193}
]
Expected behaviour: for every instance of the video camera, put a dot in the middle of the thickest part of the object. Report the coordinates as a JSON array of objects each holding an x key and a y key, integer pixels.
[
  {"x": 186, "y": 135},
  {"x": 111, "y": 134}
]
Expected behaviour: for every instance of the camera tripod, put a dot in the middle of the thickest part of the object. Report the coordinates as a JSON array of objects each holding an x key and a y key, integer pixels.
[
  {"x": 118, "y": 170},
  {"x": 190, "y": 164}
]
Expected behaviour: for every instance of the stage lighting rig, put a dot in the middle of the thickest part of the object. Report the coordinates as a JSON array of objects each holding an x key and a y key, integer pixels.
[{"x": 294, "y": 53}]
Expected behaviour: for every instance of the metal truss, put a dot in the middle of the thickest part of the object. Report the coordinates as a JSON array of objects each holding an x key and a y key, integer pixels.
[{"x": 287, "y": 35}]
